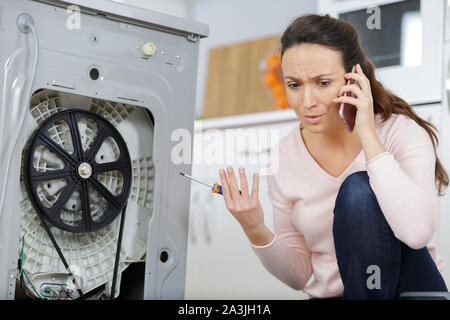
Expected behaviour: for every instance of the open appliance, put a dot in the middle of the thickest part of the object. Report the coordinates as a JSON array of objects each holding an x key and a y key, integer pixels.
[{"x": 91, "y": 93}]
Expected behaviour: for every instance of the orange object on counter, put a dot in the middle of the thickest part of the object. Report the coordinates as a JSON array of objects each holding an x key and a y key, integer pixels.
[{"x": 273, "y": 80}]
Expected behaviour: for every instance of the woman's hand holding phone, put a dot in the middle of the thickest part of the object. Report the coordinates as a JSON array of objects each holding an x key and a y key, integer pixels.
[
  {"x": 245, "y": 207},
  {"x": 359, "y": 97},
  {"x": 347, "y": 111}
]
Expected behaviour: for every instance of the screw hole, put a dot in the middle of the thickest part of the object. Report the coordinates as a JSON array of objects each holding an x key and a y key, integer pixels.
[
  {"x": 164, "y": 256},
  {"x": 49, "y": 185},
  {"x": 94, "y": 74}
]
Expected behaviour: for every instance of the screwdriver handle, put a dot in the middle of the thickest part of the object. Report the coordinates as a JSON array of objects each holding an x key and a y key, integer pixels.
[{"x": 217, "y": 188}]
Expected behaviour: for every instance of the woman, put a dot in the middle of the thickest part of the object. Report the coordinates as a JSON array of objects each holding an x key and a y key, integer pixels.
[{"x": 355, "y": 210}]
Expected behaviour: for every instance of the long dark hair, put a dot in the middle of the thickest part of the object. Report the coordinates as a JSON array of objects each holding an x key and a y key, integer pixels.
[{"x": 340, "y": 35}]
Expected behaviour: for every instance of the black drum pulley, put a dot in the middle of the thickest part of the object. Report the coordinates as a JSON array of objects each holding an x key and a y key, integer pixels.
[{"x": 69, "y": 178}]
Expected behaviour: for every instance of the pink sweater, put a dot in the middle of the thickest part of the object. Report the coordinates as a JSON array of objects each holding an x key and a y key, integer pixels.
[{"x": 303, "y": 197}]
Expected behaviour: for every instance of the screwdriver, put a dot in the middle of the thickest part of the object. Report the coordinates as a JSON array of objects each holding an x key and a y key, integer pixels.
[{"x": 216, "y": 188}]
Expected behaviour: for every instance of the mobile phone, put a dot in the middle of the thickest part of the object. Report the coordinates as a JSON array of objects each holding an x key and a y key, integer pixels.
[{"x": 347, "y": 111}]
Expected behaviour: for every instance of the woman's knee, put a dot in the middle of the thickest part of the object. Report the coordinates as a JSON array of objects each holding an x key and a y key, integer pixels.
[{"x": 355, "y": 201}]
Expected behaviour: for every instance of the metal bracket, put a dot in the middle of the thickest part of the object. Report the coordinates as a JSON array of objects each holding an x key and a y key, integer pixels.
[{"x": 193, "y": 37}]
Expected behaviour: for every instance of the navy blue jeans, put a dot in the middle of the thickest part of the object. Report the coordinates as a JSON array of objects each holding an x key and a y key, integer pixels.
[{"x": 372, "y": 262}]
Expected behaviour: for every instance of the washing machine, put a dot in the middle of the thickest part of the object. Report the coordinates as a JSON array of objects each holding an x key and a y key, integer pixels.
[{"x": 92, "y": 205}]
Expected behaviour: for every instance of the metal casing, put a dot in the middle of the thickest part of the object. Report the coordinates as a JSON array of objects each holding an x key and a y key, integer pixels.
[{"x": 110, "y": 38}]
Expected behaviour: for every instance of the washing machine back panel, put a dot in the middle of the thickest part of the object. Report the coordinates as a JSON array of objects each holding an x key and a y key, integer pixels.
[
  {"x": 104, "y": 59},
  {"x": 113, "y": 48},
  {"x": 130, "y": 14}
]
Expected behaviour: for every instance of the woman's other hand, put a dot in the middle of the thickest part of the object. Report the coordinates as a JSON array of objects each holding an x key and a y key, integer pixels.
[{"x": 245, "y": 207}]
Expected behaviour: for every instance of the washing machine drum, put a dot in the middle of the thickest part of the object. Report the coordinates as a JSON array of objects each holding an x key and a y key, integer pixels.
[{"x": 67, "y": 190}]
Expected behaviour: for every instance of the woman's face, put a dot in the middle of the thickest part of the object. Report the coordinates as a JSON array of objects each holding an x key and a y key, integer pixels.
[{"x": 313, "y": 75}]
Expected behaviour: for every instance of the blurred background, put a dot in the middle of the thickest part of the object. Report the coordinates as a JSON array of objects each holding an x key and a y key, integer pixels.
[{"x": 239, "y": 87}]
